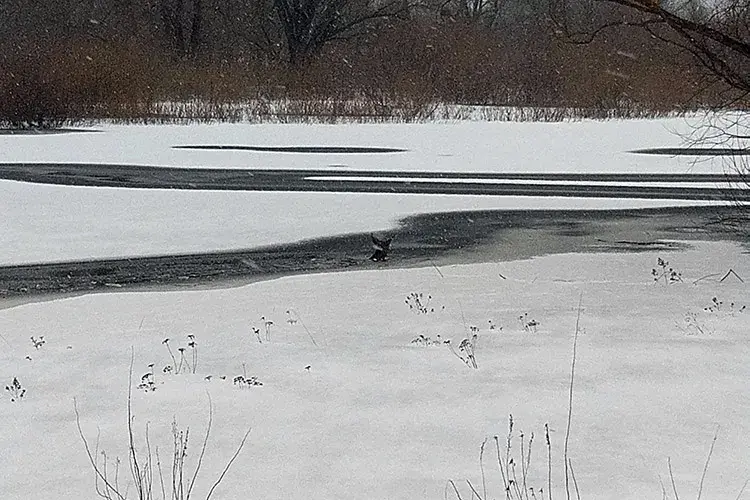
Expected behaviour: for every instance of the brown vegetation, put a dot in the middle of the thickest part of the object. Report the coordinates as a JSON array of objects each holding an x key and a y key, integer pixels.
[{"x": 152, "y": 64}]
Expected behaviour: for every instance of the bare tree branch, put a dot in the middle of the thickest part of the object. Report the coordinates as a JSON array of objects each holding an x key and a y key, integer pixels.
[
  {"x": 308, "y": 25},
  {"x": 711, "y": 37}
]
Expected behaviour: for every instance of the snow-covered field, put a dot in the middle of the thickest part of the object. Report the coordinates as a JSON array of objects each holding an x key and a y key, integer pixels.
[
  {"x": 660, "y": 368},
  {"x": 361, "y": 397},
  {"x": 55, "y": 223}
]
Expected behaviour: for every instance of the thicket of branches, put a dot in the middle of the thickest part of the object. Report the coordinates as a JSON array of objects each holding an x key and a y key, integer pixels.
[
  {"x": 715, "y": 35},
  {"x": 124, "y": 59}
]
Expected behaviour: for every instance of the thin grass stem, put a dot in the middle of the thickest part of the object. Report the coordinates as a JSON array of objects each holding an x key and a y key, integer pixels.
[
  {"x": 570, "y": 397},
  {"x": 671, "y": 478},
  {"x": 708, "y": 460},
  {"x": 229, "y": 464}
]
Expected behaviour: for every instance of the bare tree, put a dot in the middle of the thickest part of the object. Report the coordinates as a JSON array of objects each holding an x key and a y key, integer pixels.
[
  {"x": 486, "y": 12},
  {"x": 508, "y": 15},
  {"x": 308, "y": 25},
  {"x": 246, "y": 27},
  {"x": 716, "y": 33},
  {"x": 182, "y": 23}
]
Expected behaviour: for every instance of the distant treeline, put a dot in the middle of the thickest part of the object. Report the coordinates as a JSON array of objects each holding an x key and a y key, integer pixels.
[{"x": 120, "y": 58}]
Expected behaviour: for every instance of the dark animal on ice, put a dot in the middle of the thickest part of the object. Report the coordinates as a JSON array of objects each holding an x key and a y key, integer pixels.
[{"x": 382, "y": 247}]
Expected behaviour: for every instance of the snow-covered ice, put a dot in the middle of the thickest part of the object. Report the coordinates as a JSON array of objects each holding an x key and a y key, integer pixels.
[
  {"x": 350, "y": 406},
  {"x": 56, "y": 223},
  {"x": 585, "y": 146},
  {"x": 378, "y": 417}
]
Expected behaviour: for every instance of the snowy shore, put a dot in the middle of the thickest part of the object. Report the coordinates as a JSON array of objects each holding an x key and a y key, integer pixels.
[{"x": 378, "y": 415}]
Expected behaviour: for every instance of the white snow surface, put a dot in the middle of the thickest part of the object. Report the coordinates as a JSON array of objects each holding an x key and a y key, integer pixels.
[
  {"x": 59, "y": 223},
  {"x": 464, "y": 146},
  {"x": 517, "y": 182},
  {"x": 378, "y": 417}
]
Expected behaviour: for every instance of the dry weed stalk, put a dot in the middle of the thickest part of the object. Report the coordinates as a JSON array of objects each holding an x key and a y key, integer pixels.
[{"x": 142, "y": 467}]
